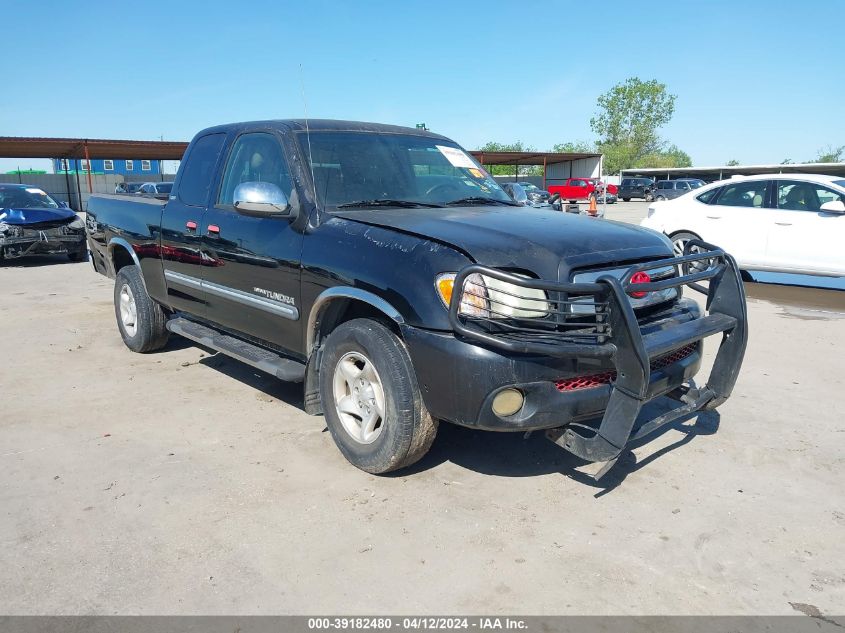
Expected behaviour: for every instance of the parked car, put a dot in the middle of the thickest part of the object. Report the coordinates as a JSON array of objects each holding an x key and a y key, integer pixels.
[
  {"x": 34, "y": 223},
  {"x": 405, "y": 292},
  {"x": 599, "y": 184},
  {"x": 516, "y": 192},
  {"x": 636, "y": 188},
  {"x": 156, "y": 188},
  {"x": 608, "y": 197},
  {"x": 537, "y": 196},
  {"x": 793, "y": 223},
  {"x": 671, "y": 189},
  {"x": 575, "y": 189}
]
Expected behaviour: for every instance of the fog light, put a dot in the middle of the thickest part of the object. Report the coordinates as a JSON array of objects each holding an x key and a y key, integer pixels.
[{"x": 507, "y": 402}]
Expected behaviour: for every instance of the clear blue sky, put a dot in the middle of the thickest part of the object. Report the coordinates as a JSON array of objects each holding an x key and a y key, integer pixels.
[{"x": 755, "y": 81}]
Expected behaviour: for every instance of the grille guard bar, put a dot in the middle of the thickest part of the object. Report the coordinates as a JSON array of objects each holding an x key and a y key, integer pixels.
[{"x": 630, "y": 351}]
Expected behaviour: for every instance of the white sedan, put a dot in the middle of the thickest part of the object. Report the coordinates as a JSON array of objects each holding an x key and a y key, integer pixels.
[{"x": 792, "y": 223}]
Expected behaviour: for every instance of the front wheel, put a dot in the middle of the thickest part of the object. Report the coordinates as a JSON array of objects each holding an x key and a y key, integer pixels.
[
  {"x": 679, "y": 244},
  {"x": 649, "y": 197},
  {"x": 626, "y": 199},
  {"x": 141, "y": 320},
  {"x": 371, "y": 399}
]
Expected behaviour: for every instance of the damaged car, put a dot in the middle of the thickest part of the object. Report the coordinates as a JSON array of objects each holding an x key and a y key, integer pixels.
[{"x": 33, "y": 223}]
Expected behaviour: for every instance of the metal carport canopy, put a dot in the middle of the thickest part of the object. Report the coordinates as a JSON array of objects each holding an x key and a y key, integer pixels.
[
  {"x": 39, "y": 147},
  {"x": 528, "y": 158},
  {"x": 35, "y": 147},
  {"x": 726, "y": 171}
]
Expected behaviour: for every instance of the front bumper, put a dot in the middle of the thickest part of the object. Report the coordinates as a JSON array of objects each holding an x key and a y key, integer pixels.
[
  {"x": 42, "y": 244},
  {"x": 460, "y": 375}
]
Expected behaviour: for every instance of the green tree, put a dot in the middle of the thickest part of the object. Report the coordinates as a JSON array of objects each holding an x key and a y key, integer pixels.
[
  {"x": 672, "y": 156},
  {"x": 733, "y": 162},
  {"x": 829, "y": 154},
  {"x": 511, "y": 170},
  {"x": 576, "y": 147},
  {"x": 629, "y": 116}
]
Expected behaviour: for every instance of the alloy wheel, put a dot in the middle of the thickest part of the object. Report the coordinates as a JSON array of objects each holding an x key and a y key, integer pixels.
[{"x": 359, "y": 397}]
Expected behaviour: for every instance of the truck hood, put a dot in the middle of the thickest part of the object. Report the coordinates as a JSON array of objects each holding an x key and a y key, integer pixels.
[
  {"x": 548, "y": 243},
  {"x": 37, "y": 218}
]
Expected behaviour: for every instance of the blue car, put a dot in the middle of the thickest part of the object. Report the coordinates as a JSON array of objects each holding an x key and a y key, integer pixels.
[{"x": 33, "y": 223}]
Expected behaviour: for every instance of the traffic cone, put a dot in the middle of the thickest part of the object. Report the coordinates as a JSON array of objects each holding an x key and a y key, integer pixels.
[{"x": 592, "y": 209}]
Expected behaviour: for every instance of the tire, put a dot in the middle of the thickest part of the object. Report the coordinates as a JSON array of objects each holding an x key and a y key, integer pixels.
[
  {"x": 141, "y": 320},
  {"x": 659, "y": 198},
  {"x": 626, "y": 199},
  {"x": 649, "y": 197},
  {"x": 679, "y": 241},
  {"x": 401, "y": 430}
]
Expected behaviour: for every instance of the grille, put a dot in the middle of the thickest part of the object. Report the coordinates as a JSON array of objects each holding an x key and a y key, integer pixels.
[{"x": 605, "y": 378}]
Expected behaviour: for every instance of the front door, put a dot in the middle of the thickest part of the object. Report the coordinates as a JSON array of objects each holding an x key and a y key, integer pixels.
[
  {"x": 578, "y": 189},
  {"x": 253, "y": 285},
  {"x": 802, "y": 237},
  {"x": 180, "y": 238}
]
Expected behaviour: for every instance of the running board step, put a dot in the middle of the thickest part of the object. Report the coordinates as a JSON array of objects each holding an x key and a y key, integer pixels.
[{"x": 258, "y": 357}]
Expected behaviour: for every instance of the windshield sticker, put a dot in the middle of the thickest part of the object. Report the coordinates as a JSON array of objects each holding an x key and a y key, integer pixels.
[
  {"x": 455, "y": 156},
  {"x": 476, "y": 172},
  {"x": 36, "y": 191}
]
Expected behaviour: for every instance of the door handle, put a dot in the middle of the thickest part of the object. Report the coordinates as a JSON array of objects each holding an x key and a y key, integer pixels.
[
  {"x": 213, "y": 228},
  {"x": 784, "y": 223},
  {"x": 715, "y": 217},
  {"x": 191, "y": 225}
]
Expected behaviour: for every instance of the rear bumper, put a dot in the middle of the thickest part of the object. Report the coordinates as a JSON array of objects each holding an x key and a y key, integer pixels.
[{"x": 460, "y": 375}]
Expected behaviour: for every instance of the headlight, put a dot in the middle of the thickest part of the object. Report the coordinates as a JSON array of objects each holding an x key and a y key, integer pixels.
[
  {"x": 491, "y": 298},
  {"x": 77, "y": 224}
]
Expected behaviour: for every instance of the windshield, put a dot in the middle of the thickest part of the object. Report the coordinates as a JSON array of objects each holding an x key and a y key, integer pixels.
[
  {"x": 354, "y": 167},
  {"x": 28, "y": 198},
  {"x": 529, "y": 187}
]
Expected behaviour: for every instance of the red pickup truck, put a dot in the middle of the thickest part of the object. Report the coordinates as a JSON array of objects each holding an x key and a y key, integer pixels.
[{"x": 574, "y": 189}]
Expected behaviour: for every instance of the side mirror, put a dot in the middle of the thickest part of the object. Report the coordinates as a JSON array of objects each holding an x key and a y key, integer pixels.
[
  {"x": 834, "y": 206},
  {"x": 263, "y": 199}
]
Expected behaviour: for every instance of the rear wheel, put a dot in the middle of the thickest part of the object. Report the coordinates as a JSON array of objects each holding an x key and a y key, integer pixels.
[
  {"x": 371, "y": 399},
  {"x": 141, "y": 320},
  {"x": 626, "y": 199},
  {"x": 660, "y": 198}
]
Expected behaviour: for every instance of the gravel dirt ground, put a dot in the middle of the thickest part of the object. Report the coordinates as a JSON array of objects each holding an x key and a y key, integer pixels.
[{"x": 182, "y": 482}]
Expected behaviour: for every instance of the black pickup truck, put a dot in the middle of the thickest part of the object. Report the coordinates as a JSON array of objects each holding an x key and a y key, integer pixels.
[{"x": 385, "y": 269}]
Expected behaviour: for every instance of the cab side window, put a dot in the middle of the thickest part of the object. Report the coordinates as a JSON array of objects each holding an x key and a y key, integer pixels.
[
  {"x": 255, "y": 157},
  {"x": 796, "y": 195},
  {"x": 744, "y": 194},
  {"x": 708, "y": 196},
  {"x": 199, "y": 170}
]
